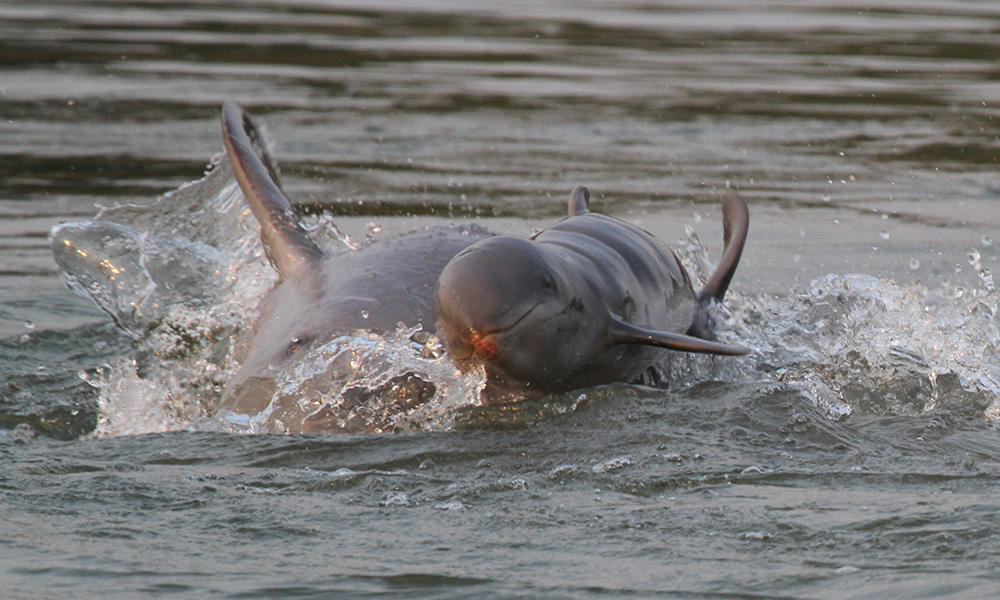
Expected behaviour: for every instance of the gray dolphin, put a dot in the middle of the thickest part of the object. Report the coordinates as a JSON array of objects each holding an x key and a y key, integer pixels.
[
  {"x": 584, "y": 302},
  {"x": 321, "y": 295}
]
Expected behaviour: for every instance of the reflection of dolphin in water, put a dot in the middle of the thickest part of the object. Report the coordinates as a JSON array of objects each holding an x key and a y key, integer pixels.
[{"x": 580, "y": 304}]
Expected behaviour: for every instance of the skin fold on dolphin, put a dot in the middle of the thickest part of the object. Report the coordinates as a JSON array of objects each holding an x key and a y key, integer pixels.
[{"x": 590, "y": 300}]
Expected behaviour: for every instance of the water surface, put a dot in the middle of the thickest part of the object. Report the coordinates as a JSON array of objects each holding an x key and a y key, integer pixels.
[{"x": 854, "y": 454}]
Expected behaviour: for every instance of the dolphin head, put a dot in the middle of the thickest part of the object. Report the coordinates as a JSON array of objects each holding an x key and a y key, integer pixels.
[{"x": 506, "y": 303}]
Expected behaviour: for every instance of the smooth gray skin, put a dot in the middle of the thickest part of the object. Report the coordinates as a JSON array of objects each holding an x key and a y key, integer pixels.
[
  {"x": 585, "y": 302},
  {"x": 318, "y": 295}
]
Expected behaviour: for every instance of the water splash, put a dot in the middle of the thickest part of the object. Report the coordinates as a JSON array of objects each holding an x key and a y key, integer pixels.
[
  {"x": 860, "y": 344},
  {"x": 185, "y": 299},
  {"x": 366, "y": 382},
  {"x": 984, "y": 274},
  {"x": 181, "y": 273},
  {"x": 133, "y": 275}
]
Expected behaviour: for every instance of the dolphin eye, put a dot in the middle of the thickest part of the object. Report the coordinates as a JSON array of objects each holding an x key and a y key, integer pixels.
[{"x": 297, "y": 343}]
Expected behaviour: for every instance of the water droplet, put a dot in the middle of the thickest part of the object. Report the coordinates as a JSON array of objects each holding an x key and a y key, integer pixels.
[
  {"x": 883, "y": 234},
  {"x": 613, "y": 464},
  {"x": 450, "y": 505},
  {"x": 365, "y": 314},
  {"x": 29, "y": 325},
  {"x": 914, "y": 264},
  {"x": 986, "y": 276},
  {"x": 986, "y": 241},
  {"x": 395, "y": 498}
]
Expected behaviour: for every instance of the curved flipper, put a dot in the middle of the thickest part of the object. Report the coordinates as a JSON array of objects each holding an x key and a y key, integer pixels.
[
  {"x": 285, "y": 241},
  {"x": 579, "y": 201},
  {"x": 735, "y": 224},
  {"x": 626, "y": 333}
]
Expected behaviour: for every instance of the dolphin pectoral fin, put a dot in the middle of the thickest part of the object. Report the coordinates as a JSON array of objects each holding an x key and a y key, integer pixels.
[
  {"x": 579, "y": 201},
  {"x": 284, "y": 238},
  {"x": 735, "y": 224},
  {"x": 627, "y": 333}
]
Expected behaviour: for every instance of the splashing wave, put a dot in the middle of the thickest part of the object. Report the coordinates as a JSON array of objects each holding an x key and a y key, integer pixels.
[{"x": 181, "y": 272}]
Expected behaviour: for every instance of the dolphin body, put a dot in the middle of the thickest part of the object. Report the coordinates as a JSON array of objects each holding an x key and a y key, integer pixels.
[
  {"x": 587, "y": 301},
  {"x": 319, "y": 296}
]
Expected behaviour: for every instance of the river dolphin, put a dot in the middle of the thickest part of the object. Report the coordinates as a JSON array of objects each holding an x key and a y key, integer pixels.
[
  {"x": 582, "y": 303},
  {"x": 586, "y": 301},
  {"x": 321, "y": 295}
]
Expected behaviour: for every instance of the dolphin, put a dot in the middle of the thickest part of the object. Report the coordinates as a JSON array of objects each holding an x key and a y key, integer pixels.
[
  {"x": 590, "y": 300},
  {"x": 320, "y": 295},
  {"x": 585, "y": 302}
]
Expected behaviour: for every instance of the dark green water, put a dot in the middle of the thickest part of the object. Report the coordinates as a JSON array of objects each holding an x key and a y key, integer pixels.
[{"x": 853, "y": 454}]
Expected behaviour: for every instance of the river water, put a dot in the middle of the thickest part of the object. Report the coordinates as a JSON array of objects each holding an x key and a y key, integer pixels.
[{"x": 853, "y": 454}]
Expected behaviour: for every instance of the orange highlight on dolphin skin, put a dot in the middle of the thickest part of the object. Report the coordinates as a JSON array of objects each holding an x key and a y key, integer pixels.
[{"x": 484, "y": 346}]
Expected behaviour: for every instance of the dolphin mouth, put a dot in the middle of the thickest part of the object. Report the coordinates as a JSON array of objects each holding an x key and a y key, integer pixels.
[
  {"x": 504, "y": 329},
  {"x": 482, "y": 343}
]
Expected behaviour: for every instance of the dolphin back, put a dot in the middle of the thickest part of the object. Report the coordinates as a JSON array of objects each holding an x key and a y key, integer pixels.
[{"x": 650, "y": 297}]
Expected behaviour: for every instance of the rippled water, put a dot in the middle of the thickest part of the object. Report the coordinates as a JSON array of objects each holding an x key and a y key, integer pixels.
[{"x": 853, "y": 454}]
